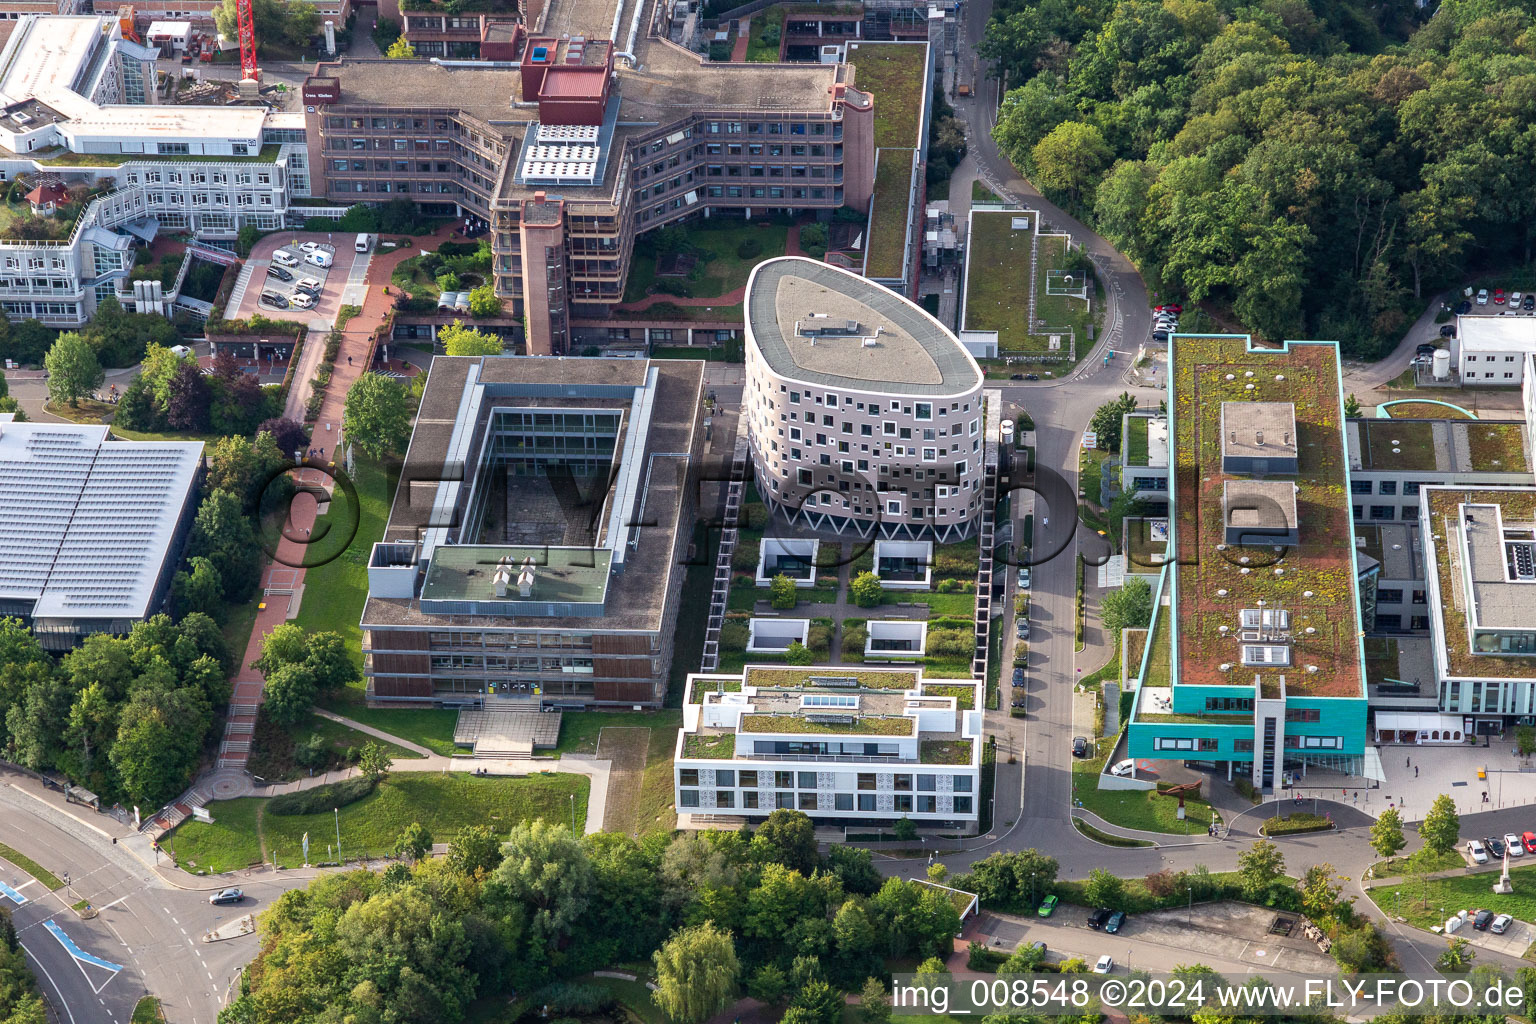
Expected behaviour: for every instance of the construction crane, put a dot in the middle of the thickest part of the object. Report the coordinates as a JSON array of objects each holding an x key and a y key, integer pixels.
[{"x": 249, "y": 72}]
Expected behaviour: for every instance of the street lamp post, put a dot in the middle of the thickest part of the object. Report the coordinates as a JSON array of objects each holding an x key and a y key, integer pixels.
[
  {"x": 1189, "y": 911},
  {"x": 337, "y": 812},
  {"x": 573, "y": 814}
]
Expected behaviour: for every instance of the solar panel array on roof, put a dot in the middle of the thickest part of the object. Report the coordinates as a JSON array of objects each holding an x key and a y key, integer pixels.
[{"x": 86, "y": 524}]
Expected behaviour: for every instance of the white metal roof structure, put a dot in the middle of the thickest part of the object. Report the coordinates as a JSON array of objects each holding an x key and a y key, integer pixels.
[{"x": 86, "y": 524}]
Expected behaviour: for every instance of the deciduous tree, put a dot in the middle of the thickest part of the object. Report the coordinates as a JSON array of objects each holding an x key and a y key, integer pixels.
[
  {"x": 378, "y": 416},
  {"x": 73, "y": 371},
  {"x": 459, "y": 340},
  {"x": 1387, "y": 833},
  {"x": 1441, "y": 827},
  {"x": 696, "y": 973}
]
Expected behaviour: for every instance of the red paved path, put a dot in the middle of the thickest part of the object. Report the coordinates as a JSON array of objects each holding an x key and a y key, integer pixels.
[
  {"x": 739, "y": 48},
  {"x": 283, "y": 572}
]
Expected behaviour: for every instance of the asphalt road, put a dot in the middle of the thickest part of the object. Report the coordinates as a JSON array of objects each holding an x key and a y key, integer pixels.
[{"x": 146, "y": 937}]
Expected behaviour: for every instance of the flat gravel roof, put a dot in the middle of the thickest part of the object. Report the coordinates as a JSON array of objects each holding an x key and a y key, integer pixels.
[{"x": 912, "y": 353}]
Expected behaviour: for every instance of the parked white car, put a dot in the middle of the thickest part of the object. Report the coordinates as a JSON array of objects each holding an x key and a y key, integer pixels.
[
  {"x": 301, "y": 300},
  {"x": 1482, "y": 296},
  {"x": 1476, "y": 851},
  {"x": 1123, "y": 768},
  {"x": 284, "y": 258},
  {"x": 319, "y": 258},
  {"x": 1513, "y": 845},
  {"x": 1514, "y": 300},
  {"x": 1105, "y": 965},
  {"x": 310, "y": 246}
]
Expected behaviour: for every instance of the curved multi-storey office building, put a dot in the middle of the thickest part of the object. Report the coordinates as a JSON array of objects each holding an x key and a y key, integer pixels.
[{"x": 864, "y": 412}]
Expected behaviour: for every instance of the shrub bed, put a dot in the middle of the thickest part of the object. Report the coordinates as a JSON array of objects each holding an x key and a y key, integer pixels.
[
  {"x": 1295, "y": 824},
  {"x": 322, "y": 798}
]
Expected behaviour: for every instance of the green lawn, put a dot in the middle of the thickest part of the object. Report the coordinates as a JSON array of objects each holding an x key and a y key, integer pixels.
[
  {"x": 940, "y": 605},
  {"x": 429, "y": 727},
  {"x": 147, "y": 1011},
  {"x": 890, "y": 211},
  {"x": 579, "y": 729},
  {"x": 229, "y": 843},
  {"x": 1423, "y": 862},
  {"x": 980, "y": 193},
  {"x": 893, "y": 73},
  {"x": 1428, "y": 902},
  {"x": 273, "y": 747},
  {"x": 1137, "y": 809},
  {"x": 717, "y": 244},
  {"x": 442, "y": 802},
  {"x": 1136, "y": 441},
  {"x": 336, "y": 584}
]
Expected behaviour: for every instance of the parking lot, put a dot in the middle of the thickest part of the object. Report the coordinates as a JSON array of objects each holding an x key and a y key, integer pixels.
[
  {"x": 332, "y": 287},
  {"x": 1224, "y": 935},
  {"x": 296, "y": 276}
]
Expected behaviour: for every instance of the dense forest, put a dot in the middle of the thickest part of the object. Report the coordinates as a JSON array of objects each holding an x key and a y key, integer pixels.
[{"x": 1317, "y": 167}]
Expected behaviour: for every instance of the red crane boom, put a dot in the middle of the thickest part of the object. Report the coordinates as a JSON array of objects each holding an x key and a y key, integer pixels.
[{"x": 248, "y": 69}]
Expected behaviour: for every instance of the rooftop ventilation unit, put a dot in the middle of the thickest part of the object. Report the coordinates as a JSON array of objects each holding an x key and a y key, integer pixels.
[
  {"x": 833, "y": 682},
  {"x": 824, "y": 719},
  {"x": 1520, "y": 559}
]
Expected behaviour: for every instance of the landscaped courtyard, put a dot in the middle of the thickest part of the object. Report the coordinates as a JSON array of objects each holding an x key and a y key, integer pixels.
[{"x": 836, "y": 628}]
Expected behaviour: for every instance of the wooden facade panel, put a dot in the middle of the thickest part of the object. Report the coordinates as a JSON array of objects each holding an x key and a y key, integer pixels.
[
  {"x": 416, "y": 663},
  {"x": 398, "y": 639},
  {"x": 621, "y": 643},
  {"x": 401, "y": 686},
  {"x": 624, "y": 668},
  {"x": 636, "y": 692}
]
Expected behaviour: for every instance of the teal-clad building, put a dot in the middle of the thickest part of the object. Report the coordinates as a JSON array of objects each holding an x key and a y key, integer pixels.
[{"x": 1254, "y": 658}]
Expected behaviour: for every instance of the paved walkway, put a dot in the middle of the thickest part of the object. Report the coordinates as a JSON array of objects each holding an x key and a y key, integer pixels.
[
  {"x": 369, "y": 730},
  {"x": 282, "y": 585}
]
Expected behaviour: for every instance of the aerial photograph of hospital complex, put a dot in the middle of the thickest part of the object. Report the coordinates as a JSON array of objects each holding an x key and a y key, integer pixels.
[{"x": 805, "y": 511}]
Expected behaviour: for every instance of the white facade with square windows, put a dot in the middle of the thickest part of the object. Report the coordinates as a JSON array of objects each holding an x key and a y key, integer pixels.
[
  {"x": 839, "y": 744},
  {"x": 864, "y": 413}
]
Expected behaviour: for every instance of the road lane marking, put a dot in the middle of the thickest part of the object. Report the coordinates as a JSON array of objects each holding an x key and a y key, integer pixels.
[
  {"x": 82, "y": 957},
  {"x": 114, "y": 903},
  {"x": 14, "y": 895},
  {"x": 49, "y": 975}
]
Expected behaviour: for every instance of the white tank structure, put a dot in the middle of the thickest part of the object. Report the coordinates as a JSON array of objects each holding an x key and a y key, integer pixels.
[
  {"x": 330, "y": 38},
  {"x": 863, "y": 412},
  {"x": 1440, "y": 365}
]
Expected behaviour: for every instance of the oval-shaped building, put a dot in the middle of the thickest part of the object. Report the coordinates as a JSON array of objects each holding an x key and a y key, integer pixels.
[{"x": 864, "y": 412}]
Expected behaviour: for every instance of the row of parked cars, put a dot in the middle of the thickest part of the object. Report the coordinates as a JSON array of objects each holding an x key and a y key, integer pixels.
[
  {"x": 1514, "y": 300},
  {"x": 312, "y": 253},
  {"x": 1480, "y": 850},
  {"x": 1165, "y": 322}
]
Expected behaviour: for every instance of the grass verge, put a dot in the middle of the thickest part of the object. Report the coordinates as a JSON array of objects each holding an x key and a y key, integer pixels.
[
  {"x": 147, "y": 1011},
  {"x": 31, "y": 867},
  {"x": 336, "y": 586},
  {"x": 1100, "y": 836}
]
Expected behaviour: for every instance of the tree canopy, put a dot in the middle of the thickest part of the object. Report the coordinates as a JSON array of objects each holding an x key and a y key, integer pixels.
[
  {"x": 1314, "y": 169},
  {"x": 415, "y": 943},
  {"x": 378, "y": 415}
]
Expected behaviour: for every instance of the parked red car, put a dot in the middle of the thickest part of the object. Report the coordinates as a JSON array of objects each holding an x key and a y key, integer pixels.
[{"x": 1498, "y": 296}]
